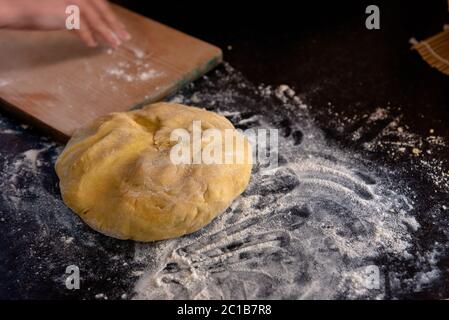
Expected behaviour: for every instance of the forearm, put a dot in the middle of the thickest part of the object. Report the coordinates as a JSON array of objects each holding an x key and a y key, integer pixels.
[
  {"x": 34, "y": 14},
  {"x": 97, "y": 18},
  {"x": 8, "y": 13}
]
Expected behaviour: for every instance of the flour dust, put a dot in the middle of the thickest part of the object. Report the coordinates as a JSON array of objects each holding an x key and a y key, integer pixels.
[
  {"x": 307, "y": 230},
  {"x": 329, "y": 222}
]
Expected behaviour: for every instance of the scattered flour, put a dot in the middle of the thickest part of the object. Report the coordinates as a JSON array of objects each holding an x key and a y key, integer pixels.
[
  {"x": 311, "y": 229},
  {"x": 134, "y": 69},
  {"x": 31, "y": 156},
  {"x": 143, "y": 76},
  {"x": 391, "y": 136},
  {"x": 125, "y": 74}
]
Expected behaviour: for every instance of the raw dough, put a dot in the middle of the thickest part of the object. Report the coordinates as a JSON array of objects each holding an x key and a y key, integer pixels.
[{"x": 117, "y": 175}]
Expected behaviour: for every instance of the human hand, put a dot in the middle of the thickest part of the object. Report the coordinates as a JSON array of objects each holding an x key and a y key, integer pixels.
[{"x": 97, "y": 20}]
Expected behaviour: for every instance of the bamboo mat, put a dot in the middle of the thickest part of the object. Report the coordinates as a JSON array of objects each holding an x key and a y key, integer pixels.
[{"x": 435, "y": 50}]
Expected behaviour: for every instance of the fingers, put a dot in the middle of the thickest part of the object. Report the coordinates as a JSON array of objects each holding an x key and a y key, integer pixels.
[
  {"x": 85, "y": 34},
  {"x": 111, "y": 19},
  {"x": 101, "y": 29},
  {"x": 99, "y": 21}
]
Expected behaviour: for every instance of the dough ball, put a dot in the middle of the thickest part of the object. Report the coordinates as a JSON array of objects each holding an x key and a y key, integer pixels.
[{"x": 116, "y": 174}]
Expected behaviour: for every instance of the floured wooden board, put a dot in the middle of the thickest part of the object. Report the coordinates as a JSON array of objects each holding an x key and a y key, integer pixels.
[{"x": 53, "y": 79}]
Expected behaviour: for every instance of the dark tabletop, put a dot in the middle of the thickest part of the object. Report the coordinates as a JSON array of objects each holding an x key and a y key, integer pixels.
[{"x": 343, "y": 72}]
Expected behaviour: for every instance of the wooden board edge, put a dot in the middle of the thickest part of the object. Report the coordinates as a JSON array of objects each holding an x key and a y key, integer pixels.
[
  {"x": 63, "y": 137},
  {"x": 192, "y": 76},
  {"x": 119, "y": 7},
  {"x": 34, "y": 122}
]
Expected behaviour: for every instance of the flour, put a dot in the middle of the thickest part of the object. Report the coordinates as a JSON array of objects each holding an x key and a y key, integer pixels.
[
  {"x": 313, "y": 228},
  {"x": 46, "y": 233},
  {"x": 138, "y": 53},
  {"x": 123, "y": 73},
  {"x": 9, "y": 131},
  {"x": 25, "y": 163},
  {"x": 143, "y": 76},
  {"x": 310, "y": 229},
  {"x": 134, "y": 69},
  {"x": 398, "y": 141},
  {"x": 31, "y": 156},
  {"x": 67, "y": 240},
  {"x": 284, "y": 93}
]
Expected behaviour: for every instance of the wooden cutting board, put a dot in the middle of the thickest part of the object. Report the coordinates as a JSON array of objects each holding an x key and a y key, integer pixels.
[{"x": 52, "y": 79}]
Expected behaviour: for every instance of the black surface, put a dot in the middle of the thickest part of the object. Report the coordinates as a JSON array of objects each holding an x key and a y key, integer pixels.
[{"x": 323, "y": 49}]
